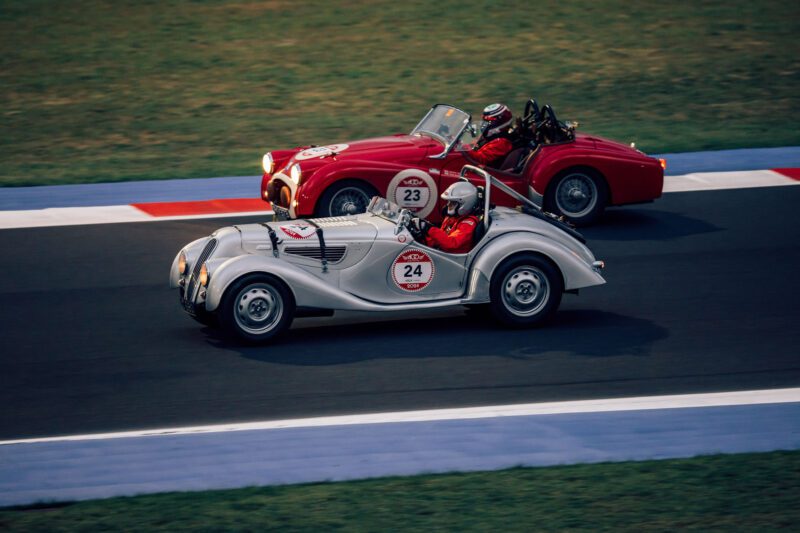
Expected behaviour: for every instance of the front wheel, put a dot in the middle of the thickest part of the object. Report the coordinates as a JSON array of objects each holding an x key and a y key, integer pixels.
[
  {"x": 525, "y": 291},
  {"x": 348, "y": 197},
  {"x": 257, "y": 308},
  {"x": 579, "y": 195}
]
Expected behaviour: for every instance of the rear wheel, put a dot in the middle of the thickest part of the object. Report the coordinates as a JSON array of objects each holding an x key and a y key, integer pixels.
[
  {"x": 257, "y": 308},
  {"x": 348, "y": 197},
  {"x": 580, "y": 195},
  {"x": 525, "y": 291}
]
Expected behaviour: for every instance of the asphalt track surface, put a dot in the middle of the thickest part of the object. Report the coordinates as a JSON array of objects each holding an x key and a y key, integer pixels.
[{"x": 702, "y": 296}]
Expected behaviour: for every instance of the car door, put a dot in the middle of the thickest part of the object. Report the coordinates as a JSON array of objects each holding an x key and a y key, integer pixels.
[{"x": 400, "y": 270}]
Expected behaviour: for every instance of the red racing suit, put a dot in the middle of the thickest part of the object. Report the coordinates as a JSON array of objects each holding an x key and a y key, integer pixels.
[
  {"x": 455, "y": 235},
  {"x": 493, "y": 152}
]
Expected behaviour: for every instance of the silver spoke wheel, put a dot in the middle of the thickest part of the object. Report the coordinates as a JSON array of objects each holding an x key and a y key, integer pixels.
[
  {"x": 525, "y": 291},
  {"x": 576, "y": 195},
  {"x": 348, "y": 201},
  {"x": 258, "y": 308}
]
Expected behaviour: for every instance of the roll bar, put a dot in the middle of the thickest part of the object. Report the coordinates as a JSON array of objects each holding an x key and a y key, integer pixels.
[{"x": 491, "y": 180}]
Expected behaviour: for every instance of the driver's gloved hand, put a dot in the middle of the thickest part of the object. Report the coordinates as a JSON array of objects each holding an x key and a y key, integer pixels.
[
  {"x": 421, "y": 226},
  {"x": 424, "y": 226}
]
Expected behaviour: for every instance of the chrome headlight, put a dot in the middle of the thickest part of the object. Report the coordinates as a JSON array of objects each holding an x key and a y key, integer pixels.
[
  {"x": 267, "y": 163},
  {"x": 203, "y": 279},
  {"x": 296, "y": 173},
  {"x": 183, "y": 264}
]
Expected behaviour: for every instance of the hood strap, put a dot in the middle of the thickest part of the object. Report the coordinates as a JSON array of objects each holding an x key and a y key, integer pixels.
[
  {"x": 321, "y": 237},
  {"x": 273, "y": 237}
]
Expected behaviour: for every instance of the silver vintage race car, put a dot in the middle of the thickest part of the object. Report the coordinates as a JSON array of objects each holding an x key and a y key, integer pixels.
[{"x": 255, "y": 278}]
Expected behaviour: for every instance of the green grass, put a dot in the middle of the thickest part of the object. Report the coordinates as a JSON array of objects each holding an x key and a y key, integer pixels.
[
  {"x": 112, "y": 90},
  {"x": 749, "y": 492}
]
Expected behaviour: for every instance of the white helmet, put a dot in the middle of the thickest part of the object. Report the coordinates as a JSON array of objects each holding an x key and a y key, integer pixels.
[{"x": 461, "y": 198}]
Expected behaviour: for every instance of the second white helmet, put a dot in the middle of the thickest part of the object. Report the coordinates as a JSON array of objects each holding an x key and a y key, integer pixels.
[{"x": 461, "y": 198}]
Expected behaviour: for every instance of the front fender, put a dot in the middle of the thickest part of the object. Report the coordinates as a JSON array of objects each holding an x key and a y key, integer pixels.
[
  {"x": 377, "y": 173},
  {"x": 577, "y": 273},
  {"x": 192, "y": 251}
]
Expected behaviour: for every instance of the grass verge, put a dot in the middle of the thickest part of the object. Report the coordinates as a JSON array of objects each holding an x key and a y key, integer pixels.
[
  {"x": 748, "y": 492},
  {"x": 108, "y": 90}
]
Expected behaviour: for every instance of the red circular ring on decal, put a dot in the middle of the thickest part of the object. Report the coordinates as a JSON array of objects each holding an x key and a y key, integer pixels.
[{"x": 413, "y": 270}]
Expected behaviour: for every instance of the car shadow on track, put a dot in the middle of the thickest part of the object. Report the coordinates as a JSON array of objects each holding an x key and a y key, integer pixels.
[
  {"x": 645, "y": 224},
  {"x": 586, "y": 333}
]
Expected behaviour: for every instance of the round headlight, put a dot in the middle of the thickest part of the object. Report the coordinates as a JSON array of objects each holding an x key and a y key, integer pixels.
[
  {"x": 203, "y": 275},
  {"x": 183, "y": 264},
  {"x": 267, "y": 163},
  {"x": 296, "y": 173}
]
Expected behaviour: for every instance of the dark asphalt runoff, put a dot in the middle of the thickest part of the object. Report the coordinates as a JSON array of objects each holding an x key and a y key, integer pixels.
[{"x": 702, "y": 295}]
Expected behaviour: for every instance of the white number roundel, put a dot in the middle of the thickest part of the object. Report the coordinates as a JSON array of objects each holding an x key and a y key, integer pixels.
[
  {"x": 320, "y": 151},
  {"x": 414, "y": 190},
  {"x": 413, "y": 270}
]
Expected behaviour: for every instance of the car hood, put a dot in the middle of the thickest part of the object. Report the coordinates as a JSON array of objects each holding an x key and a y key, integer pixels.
[
  {"x": 395, "y": 148},
  {"x": 348, "y": 229}
]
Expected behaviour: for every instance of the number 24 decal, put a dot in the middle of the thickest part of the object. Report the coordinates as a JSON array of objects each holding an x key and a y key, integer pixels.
[{"x": 412, "y": 271}]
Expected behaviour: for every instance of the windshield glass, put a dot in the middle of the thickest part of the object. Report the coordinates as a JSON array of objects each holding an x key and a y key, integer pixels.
[
  {"x": 444, "y": 123},
  {"x": 384, "y": 208}
]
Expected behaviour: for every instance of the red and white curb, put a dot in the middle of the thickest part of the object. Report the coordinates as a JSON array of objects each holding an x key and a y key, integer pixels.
[{"x": 157, "y": 211}]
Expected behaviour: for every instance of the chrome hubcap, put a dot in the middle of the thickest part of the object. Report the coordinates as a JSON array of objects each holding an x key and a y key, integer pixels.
[
  {"x": 525, "y": 291},
  {"x": 349, "y": 201},
  {"x": 258, "y": 308},
  {"x": 576, "y": 195}
]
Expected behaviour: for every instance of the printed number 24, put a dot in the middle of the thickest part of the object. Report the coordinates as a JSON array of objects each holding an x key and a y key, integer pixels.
[
  {"x": 412, "y": 271},
  {"x": 411, "y": 195}
]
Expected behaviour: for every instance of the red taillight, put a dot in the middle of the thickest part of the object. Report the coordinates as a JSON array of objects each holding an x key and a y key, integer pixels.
[{"x": 663, "y": 163}]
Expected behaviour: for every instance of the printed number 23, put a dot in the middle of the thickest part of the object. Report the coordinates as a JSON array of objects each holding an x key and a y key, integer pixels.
[
  {"x": 411, "y": 195},
  {"x": 412, "y": 271}
]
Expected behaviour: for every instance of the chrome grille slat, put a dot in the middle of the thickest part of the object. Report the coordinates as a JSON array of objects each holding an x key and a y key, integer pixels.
[
  {"x": 333, "y": 254},
  {"x": 204, "y": 255}
]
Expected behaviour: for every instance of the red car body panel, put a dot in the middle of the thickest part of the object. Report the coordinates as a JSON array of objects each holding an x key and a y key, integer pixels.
[{"x": 630, "y": 175}]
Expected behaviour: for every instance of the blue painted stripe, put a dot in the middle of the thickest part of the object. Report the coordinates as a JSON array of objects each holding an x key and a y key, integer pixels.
[
  {"x": 75, "y": 470},
  {"x": 100, "y": 194},
  {"x": 731, "y": 160}
]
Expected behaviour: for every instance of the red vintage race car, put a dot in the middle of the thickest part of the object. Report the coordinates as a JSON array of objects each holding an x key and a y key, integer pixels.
[{"x": 569, "y": 173}]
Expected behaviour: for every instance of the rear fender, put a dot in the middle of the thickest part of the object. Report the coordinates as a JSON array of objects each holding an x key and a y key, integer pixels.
[{"x": 575, "y": 272}]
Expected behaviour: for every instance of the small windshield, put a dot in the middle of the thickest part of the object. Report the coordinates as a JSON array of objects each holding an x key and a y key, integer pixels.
[
  {"x": 384, "y": 208},
  {"x": 444, "y": 123}
]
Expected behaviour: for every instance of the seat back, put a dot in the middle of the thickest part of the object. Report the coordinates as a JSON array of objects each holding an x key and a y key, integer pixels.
[{"x": 511, "y": 160}]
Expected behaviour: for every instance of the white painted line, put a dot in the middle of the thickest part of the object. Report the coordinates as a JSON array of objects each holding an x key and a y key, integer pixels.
[
  {"x": 682, "y": 401},
  {"x": 74, "y": 216},
  {"x": 712, "y": 181},
  {"x": 113, "y": 214},
  {"x": 71, "y": 216}
]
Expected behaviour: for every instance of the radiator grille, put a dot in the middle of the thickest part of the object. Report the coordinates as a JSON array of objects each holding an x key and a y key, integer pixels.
[
  {"x": 204, "y": 255},
  {"x": 333, "y": 254}
]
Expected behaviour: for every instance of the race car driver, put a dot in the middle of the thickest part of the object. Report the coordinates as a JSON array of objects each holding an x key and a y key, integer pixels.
[
  {"x": 496, "y": 136},
  {"x": 458, "y": 228}
]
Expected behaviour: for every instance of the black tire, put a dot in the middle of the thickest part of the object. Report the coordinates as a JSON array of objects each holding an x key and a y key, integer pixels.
[
  {"x": 348, "y": 197},
  {"x": 257, "y": 308},
  {"x": 525, "y": 291},
  {"x": 579, "y": 194}
]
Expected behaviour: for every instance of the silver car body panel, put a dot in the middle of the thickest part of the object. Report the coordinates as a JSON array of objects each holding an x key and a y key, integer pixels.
[{"x": 365, "y": 255}]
